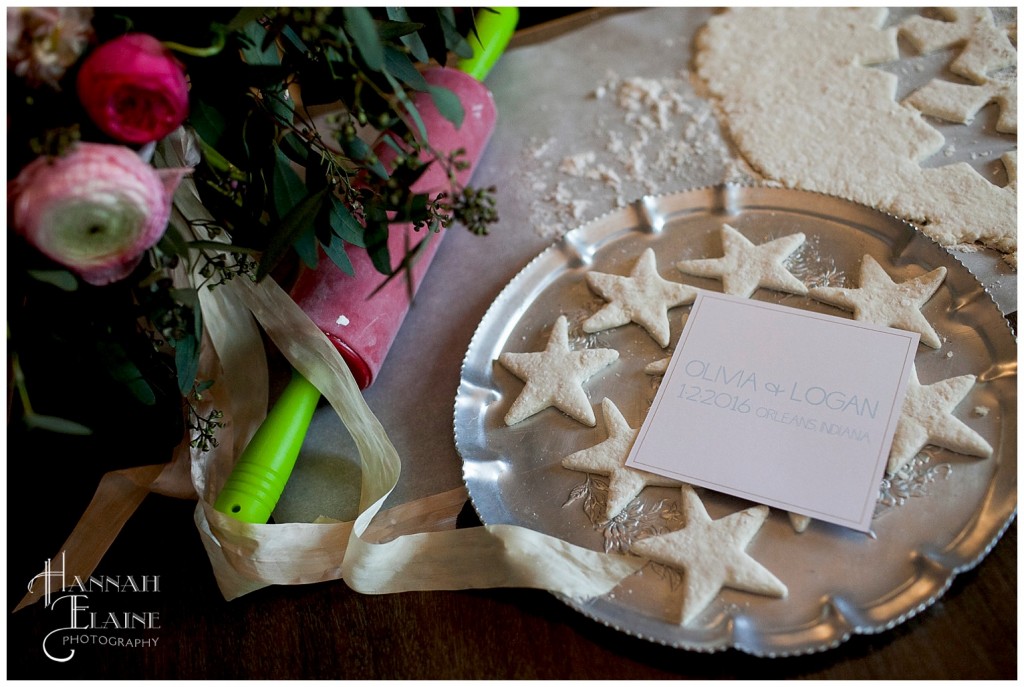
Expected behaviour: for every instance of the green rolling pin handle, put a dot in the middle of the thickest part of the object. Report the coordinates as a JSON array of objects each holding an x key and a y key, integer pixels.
[
  {"x": 494, "y": 29},
  {"x": 259, "y": 477}
]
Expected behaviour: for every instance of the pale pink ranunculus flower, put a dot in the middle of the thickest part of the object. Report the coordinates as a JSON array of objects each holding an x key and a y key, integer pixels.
[
  {"x": 42, "y": 42},
  {"x": 95, "y": 210}
]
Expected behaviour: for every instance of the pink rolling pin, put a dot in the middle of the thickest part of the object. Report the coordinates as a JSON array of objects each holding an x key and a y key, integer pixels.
[{"x": 363, "y": 324}]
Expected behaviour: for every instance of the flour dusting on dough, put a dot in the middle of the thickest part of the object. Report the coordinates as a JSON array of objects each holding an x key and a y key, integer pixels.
[{"x": 796, "y": 92}]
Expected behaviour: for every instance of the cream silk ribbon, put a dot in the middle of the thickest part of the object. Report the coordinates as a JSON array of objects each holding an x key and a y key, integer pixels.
[{"x": 246, "y": 557}]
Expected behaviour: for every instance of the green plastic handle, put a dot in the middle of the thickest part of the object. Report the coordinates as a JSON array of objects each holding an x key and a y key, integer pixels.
[
  {"x": 494, "y": 29},
  {"x": 259, "y": 477}
]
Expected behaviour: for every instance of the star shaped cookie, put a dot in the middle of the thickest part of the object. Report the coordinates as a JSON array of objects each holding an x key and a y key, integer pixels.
[
  {"x": 555, "y": 377},
  {"x": 643, "y": 297},
  {"x": 799, "y": 521},
  {"x": 658, "y": 367},
  {"x": 608, "y": 458},
  {"x": 927, "y": 418},
  {"x": 745, "y": 267},
  {"x": 712, "y": 554},
  {"x": 881, "y": 301}
]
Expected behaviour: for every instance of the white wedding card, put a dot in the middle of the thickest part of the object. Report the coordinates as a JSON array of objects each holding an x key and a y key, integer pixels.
[{"x": 786, "y": 407}]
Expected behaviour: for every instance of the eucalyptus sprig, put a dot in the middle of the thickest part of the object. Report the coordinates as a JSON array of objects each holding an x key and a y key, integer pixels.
[{"x": 278, "y": 184}]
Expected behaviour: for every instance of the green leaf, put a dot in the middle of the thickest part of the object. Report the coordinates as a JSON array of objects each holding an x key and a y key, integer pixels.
[
  {"x": 411, "y": 40},
  {"x": 208, "y": 121},
  {"x": 141, "y": 389},
  {"x": 58, "y": 425},
  {"x": 360, "y": 25},
  {"x": 256, "y": 54},
  {"x": 405, "y": 266},
  {"x": 359, "y": 150},
  {"x": 186, "y": 361},
  {"x": 390, "y": 30},
  {"x": 173, "y": 243},
  {"x": 189, "y": 297},
  {"x": 123, "y": 370},
  {"x": 304, "y": 214},
  {"x": 245, "y": 17},
  {"x": 62, "y": 279},
  {"x": 448, "y": 104},
  {"x": 414, "y": 209},
  {"x": 288, "y": 189},
  {"x": 334, "y": 247},
  {"x": 289, "y": 34},
  {"x": 453, "y": 40},
  {"x": 294, "y": 226},
  {"x": 306, "y": 245},
  {"x": 292, "y": 147},
  {"x": 377, "y": 241},
  {"x": 410, "y": 108},
  {"x": 344, "y": 225},
  {"x": 280, "y": 102},
  {"x": 398, "y": 64}
]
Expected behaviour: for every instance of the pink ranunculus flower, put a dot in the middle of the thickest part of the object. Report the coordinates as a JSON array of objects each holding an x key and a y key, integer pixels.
[
  {"x": 134, "y": 89},
  {"x": 94, "y": 210}
]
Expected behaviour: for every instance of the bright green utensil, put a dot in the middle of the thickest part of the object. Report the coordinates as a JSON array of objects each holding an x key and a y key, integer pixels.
[{"x": 255, "y": 485}]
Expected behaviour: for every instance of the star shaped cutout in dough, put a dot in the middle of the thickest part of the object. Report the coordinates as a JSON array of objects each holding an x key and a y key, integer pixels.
[
  {"x": 643, "y": 297},
  {"x": 555, "y": 377},
  {"x": 927, "y": 418},
  {"x": 745, "y": 267},
  {"x": 608, "y": 458},
  {"x": 984, "y": 47},
  {"x": 712, "y": 554},
  {"x": 881, "y": 301}
]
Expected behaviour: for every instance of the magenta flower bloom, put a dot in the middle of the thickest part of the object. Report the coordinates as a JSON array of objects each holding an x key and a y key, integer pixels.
[
  {"x": 95, "y": 210},
  {"x": 134, "y": 89}
]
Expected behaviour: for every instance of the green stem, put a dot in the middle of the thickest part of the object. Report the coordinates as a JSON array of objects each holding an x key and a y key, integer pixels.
[
  {"x": 19, "y": 384},
  {"x": 220, "y": 39}
]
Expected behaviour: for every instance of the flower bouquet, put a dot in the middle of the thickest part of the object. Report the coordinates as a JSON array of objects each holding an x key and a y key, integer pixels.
[
  {"x": 156, "y": 157},
  {"x": 276, "y": 115}
]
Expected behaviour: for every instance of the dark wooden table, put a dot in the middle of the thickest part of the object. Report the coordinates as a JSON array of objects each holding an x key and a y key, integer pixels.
[{"x": 328, "y": 631}]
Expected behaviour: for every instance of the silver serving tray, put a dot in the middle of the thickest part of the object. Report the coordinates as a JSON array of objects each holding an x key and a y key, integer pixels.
[{"x": 937, "y": 520}]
